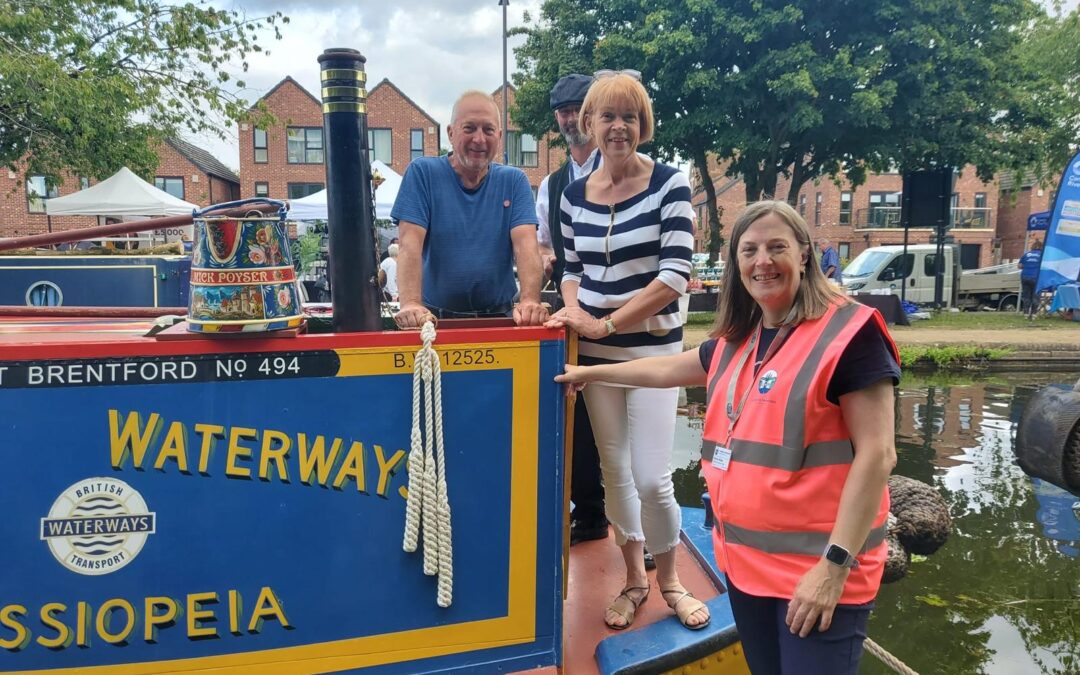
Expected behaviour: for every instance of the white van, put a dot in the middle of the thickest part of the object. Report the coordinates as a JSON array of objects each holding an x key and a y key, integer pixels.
[{"x": 888, "y": 267}]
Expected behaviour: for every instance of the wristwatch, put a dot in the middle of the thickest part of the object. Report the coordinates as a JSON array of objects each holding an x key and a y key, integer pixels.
[
  {"x": 609, "y": 325},
  {"x": 838, "y": 555}
]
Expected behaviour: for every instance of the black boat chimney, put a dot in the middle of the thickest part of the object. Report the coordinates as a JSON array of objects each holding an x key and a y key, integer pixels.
[{"x": 354, "y": 256}]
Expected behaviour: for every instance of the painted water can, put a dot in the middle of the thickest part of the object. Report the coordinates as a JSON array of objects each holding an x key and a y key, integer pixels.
[{"x": 242, "y": 274}]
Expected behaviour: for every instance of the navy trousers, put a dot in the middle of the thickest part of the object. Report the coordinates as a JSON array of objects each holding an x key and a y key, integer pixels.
[{"x": 771, "y": 648}]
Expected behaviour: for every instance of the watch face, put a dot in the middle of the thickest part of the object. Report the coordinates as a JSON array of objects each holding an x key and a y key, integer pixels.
[{"x": 837, "y": 555}]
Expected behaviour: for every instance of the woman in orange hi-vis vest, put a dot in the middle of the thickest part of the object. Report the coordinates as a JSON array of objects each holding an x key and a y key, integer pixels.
[{"x": 797, "y": 448}]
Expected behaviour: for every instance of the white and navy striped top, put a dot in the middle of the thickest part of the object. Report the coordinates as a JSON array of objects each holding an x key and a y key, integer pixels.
[{"x": 652, "y": 238}]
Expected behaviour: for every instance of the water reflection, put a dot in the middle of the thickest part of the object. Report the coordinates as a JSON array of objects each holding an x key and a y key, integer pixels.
[{"x": 1003, "y": 595}]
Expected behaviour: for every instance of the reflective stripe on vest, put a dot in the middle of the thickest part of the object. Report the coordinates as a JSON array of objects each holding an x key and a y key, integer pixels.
[{"x": 798, "y": 543}]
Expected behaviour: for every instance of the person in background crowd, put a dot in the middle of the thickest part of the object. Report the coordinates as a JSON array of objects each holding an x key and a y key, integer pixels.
[
  {"x": 464, "y": 222},
  {"x": 628, "y": 238},
  {"x": 1029, "y": 265},
  {"x": 830, "y": 262},
  {"x": 389, "y": 268},
  {"x": 797, "y": 447}
]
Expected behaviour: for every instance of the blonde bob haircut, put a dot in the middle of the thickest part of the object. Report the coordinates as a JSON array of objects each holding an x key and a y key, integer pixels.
[
  {"x": 737, "y": 314},
  {"x": 615, "y": 90}
]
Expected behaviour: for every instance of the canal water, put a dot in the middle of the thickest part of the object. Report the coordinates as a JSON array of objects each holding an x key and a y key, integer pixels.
[{"x": 1002, "y": 596}]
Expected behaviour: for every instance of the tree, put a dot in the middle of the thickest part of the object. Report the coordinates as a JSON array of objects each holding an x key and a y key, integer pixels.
[
  {"x": 800, "y": 88},
  {"x": 87, "y": 86}
]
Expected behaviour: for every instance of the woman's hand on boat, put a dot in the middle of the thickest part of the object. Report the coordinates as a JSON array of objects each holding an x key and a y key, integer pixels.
[
  {"x": 575, "y": 378},
  {"x": 815, "y": 597},
  {"x": 413, "y": 316},
  {"x": 581, "y": 321}
]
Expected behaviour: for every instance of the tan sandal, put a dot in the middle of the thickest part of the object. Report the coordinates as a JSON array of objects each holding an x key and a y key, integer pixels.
[
  {"x": 628, "y": 615},
  {"x": 688, "y": 609}
]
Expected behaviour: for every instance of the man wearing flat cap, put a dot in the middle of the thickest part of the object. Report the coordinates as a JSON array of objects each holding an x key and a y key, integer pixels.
[{"x": 566, "y": 98}]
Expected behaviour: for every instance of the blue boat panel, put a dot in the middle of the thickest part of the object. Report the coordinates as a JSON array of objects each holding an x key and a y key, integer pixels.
[
  {"x": 236, "y": 517},
  {"x": 93, "y": 281}
]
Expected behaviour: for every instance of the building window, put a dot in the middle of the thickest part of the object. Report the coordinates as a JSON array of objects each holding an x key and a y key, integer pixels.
[
  {"x": 802, "y": 205},
  {"x": 380, "y": 144},
  {"x": 262, "y": 153},
  {"x": 845, "y": 207},
  {"x": 262, "y": 189},
  {"x": 522, "y": 149},
  {"x": 843, "y": 249},
  {"x": 84, "y": 182},
  {"x": 37, "y": 192},
  {"x": 298, "y": 190},
  {"x": 416, "y": 143},
  {"x": 884, "y": 210},
  {"x": 817, "y": 210},
  {"x": 174, "y": 185},
  {"x": 980, "y": 200},
  {"x": 305, "y": 145}
]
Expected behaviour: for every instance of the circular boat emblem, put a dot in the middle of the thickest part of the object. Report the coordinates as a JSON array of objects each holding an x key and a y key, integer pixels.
[{"x": 97, "y": 526}]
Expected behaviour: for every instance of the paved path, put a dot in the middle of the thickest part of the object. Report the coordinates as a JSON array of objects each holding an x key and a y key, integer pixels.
[{"x": 1065, "y": 337}]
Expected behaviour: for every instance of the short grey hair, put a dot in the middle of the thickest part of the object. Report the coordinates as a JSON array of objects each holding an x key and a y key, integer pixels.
[
  {"x": 392, "y": 251},
  {"x": 475, "y": 93}
]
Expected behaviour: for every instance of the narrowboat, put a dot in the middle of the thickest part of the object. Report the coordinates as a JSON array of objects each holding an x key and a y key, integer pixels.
[{"x": 181, "y": 501}]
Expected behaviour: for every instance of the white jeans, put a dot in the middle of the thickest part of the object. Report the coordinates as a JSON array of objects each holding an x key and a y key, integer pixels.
[{"x": 634, "y": 429}]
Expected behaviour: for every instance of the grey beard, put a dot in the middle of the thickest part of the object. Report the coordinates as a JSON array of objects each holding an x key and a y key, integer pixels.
[{"x": 579, "y": 138}]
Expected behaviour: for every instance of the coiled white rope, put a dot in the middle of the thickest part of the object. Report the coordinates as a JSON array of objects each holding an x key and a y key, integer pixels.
[{"x": 428, "y": 500}]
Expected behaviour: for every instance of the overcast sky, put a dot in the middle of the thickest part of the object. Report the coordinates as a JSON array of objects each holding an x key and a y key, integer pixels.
[{"x": 432, "y": 49}]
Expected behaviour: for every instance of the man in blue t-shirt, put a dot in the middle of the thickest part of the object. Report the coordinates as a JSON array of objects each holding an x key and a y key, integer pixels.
[
  {"x": 830, "y": 261},
  {"x": 1029, "y": 266},
  {"x": 463, "y": 223}
]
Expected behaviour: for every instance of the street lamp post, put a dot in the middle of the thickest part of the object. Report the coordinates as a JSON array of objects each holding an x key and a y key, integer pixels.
[{"x": 505, "y": 104}]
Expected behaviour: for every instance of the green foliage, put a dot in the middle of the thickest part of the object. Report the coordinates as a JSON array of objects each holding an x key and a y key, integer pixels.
[
  {"x": 809, "y": 89},
  {"x": 951, "y": 356},
  {"x": 93, "y": 85},
  {"x": 309, "y": 249}
]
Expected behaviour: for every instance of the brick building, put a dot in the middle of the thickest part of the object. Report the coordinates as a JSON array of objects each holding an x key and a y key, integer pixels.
[
  {"x": 184, "y": 170},
  {"x": 194, "y": 175},
  {"x": 399, "y": 131},
  {"x": 1019, "y": 199},
  {"x": 287, "y": 161},
  {"x": 855, "y": 219},
  {"x": 536, "y": 157}
]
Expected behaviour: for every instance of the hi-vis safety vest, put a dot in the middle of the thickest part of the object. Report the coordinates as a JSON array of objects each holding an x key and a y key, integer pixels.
[{"x": 777, "y": 501}]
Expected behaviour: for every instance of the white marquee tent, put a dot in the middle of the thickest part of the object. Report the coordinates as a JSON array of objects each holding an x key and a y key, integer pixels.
[
  {"x": 122, "y": 194},
  {"x": 313, "y": 207}
]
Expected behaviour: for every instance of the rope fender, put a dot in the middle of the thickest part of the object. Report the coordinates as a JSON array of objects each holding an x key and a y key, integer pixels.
[{"x": 428, "y": 501}]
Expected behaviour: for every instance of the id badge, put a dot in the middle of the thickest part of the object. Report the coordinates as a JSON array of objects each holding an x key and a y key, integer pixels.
[{"x": 721, "y": 457}]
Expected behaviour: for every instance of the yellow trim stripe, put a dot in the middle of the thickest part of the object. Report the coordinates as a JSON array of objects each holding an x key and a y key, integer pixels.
[
  {"x": 344, "y": 106},
  {"x": 343, "y": 74}
]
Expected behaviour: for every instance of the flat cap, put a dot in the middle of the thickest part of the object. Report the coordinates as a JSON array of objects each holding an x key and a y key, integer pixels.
[{"x": 570, "y": 89}]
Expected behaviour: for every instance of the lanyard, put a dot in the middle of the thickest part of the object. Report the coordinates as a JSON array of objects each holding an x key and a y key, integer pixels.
[{"x": 751, "y": 347}]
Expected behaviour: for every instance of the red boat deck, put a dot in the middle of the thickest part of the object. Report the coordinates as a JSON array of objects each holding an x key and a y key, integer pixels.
[{"x": 596, "y": 577}]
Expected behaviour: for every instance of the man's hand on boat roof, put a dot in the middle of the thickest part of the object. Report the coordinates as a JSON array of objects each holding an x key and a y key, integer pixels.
[
  {"x": 412, "y": 316},
  {"x": 530, "y": 313}
]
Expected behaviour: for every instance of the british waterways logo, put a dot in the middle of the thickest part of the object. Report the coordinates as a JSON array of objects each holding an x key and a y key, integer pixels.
[{"x": 97, "y": 526}]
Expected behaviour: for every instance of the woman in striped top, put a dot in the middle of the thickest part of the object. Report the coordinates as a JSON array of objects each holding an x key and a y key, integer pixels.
[{"x": 628, "y": 238}]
